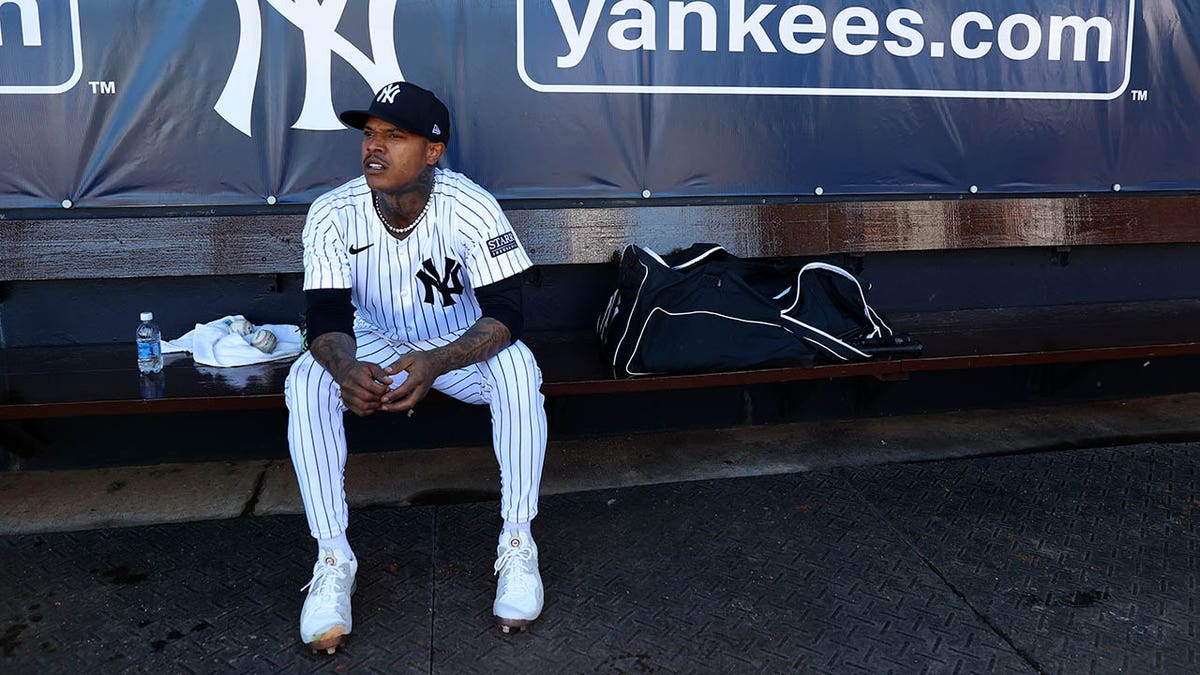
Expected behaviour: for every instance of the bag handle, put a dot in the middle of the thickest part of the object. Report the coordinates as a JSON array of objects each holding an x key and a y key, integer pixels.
[{"x": 877, "y": 324}]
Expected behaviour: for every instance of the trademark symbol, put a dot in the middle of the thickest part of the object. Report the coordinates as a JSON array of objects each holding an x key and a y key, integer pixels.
[
  {"x": 102, "y": 87},
  {"x": 1139, "y": 94}
]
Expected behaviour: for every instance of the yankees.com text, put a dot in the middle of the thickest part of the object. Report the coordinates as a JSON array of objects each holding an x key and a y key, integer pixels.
[{"x": 807, "y": 29}]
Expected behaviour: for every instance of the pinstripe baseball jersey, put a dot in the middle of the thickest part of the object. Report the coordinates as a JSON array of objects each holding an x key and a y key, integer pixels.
[{"x": 421, "y": 287}]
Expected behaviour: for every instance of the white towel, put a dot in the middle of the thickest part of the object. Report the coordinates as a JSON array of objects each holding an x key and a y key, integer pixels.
[{"x": 211, "y": 344}]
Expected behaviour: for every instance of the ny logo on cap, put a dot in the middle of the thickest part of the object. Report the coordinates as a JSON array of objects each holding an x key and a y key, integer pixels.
[{"x": 388, "y": 95}]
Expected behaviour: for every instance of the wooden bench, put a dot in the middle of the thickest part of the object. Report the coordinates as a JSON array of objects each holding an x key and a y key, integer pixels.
[
  {"x": 40, "y": 382},
  {"x": 88, "y": 380}
]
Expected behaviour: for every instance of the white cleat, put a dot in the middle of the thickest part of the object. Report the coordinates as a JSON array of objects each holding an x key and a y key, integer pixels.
[
  {"x": 519, "y": 594},
  {"x": 325, "y": 619}
]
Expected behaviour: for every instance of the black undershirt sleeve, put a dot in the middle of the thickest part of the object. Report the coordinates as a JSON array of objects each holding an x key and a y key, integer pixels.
[
  {"x": 329, "y": 311},
  {"x": 502, "y": 301}
]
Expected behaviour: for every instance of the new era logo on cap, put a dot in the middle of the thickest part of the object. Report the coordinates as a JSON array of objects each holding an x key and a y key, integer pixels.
[{"x": 407, "y": 106}]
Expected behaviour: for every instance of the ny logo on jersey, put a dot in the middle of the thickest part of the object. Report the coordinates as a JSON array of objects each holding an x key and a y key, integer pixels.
[
  {"x": 446, "y": 284},
  {"x": 319, "y": 22}
]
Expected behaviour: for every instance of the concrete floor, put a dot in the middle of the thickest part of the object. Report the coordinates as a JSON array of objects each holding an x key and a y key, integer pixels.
[{"x": 1074, "y": 561}]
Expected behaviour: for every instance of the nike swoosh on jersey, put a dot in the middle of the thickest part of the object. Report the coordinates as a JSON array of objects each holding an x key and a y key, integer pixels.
[{"x": 356, "y": 251}]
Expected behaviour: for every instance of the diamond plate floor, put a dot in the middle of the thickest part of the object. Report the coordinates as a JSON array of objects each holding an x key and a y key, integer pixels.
[
  {"x": 1089, "y": 561},
  {"x": 1079, "y": 561}
]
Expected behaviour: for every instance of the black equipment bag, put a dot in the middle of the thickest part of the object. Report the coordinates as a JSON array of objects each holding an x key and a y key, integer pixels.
[{"x": 705, "y": 310}]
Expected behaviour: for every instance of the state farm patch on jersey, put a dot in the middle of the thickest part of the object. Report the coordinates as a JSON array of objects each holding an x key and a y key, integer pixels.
[{"x": 502, "y": 244}]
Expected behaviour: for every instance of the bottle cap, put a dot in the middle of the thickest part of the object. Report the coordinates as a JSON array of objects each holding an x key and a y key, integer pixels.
[{"x": 147, "y": 316}]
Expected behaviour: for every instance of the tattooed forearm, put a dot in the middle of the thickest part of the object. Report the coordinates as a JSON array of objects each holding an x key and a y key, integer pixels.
[
  {"x": 335, "y": 352},
  {"x": 486, "y": 338}
]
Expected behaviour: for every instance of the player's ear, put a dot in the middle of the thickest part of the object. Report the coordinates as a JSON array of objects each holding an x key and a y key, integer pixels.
[{"x": 433, "y": 152}]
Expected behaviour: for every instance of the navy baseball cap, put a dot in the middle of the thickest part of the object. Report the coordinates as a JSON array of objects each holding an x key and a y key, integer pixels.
[{"x": 409, "y": 107}]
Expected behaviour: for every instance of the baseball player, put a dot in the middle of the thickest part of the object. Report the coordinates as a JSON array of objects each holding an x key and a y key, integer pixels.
[{"x": 412, "y": 278}]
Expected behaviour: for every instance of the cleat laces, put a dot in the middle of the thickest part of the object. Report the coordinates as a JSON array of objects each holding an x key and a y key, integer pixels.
[
  {"x": 324, "y": 583},
  {"x": 513, "y": 564}
]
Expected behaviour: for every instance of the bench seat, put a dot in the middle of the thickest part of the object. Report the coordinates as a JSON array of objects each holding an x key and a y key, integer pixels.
[{"x": 86, "y": 380}]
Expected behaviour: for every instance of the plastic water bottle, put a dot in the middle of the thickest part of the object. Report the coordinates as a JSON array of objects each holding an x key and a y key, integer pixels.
[{"x": 149, "y": 345}]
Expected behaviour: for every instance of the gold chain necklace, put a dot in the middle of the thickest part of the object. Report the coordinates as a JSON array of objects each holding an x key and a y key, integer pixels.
[{"x": 397, "y": 230}]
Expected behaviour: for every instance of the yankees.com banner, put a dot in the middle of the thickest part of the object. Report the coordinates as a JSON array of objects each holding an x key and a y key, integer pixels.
[{"x": 135, "y": 103}]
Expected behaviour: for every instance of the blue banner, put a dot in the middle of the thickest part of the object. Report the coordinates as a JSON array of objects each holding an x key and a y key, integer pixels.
[{"x": 144, "y": 103}]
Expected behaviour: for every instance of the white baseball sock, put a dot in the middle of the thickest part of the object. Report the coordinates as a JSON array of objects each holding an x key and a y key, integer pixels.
[
  {"x": 338, "y": 543},
  {"x": 519, "y": 528}
]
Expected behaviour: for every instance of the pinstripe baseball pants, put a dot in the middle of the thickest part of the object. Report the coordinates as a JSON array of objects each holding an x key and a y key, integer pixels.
[{"x": 509, "y": 382}]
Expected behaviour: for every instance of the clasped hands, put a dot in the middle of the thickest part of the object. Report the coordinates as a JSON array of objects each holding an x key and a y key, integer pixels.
[{"x": 367, "y": 387}]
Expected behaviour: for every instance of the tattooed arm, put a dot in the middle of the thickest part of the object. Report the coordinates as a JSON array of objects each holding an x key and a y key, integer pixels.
[
  {"x": 362, "y": 383},
  {"x": 483, "y": 340}
]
